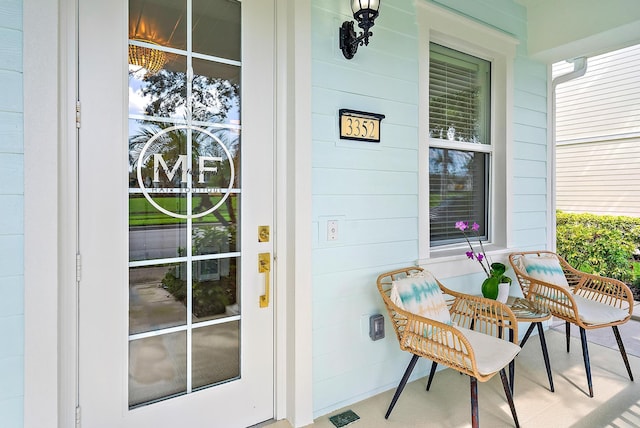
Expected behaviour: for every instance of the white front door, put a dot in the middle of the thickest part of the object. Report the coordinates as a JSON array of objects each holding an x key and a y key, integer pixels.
[{"x": 176, "y": 213}]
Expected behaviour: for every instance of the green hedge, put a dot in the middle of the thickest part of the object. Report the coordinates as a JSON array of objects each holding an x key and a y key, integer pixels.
[{"x": 599, "y": 244}]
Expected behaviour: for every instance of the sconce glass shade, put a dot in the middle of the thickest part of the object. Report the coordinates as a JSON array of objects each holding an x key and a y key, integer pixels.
[
  {"x": 358, "y": 5},
  {"x": 365, "y": 11}
]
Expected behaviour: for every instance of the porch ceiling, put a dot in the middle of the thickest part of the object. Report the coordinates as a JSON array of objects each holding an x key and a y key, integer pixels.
[{"x": 565, "y": 29}]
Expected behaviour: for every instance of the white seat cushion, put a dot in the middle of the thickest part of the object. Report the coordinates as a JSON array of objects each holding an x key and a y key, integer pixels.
[
  {"x": 492, "y": 354},
  {"x": 592, "y": 312}
]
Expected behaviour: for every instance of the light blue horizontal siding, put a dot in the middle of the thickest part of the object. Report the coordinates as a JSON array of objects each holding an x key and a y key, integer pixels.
[
  {"x": 532, "y": 185},
  {"x": 379, "y": 159},
  {"x": 11, "y": 174},
  {"x": 530, "y": 168},
  {"x": 535, "y": 102},
  {"x": 341, "y": 259},
  {"x": 397, "y": 136},
  {"x": 362, "y": 232},
  {"x": 12, "y": 302},
  {"x": 530, "y": 203},
  {"x": 531, "y": 220},
  {"x": 339, "y": 285},
  {"x": 530, "y": 76},
  {"x": 348, "y": 310},
  {"x": 10, "y": 49},
  {"x": 372, "y": 189},
  {"x": 11, "y": 89},
  {"x": 11, "y": 369},
  {"x": 11, "y": 135},
  {"x": 355, "y": 182},
  {"x": 397, "y": 112},
  {"x": 11, "y": 336},
  {"x": 12, "y": 220},
  {"x": 11, "y": 257},
  {"x": 527, "y": 133},
  {"x": 11, "y": 413},
  {"x": 530, "y": 238},
  {"x": 529, "y": 151},
  {"x": 530, "y": 117},
  {"x": 11, "y": 217},
  {"x": 11, "y": 14},
  {"x": 342, "y": 79},
  {"x": 366, "y": 206}
]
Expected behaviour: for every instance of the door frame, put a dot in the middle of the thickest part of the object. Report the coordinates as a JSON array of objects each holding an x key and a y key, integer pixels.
[{"x": 50, "y": 199}]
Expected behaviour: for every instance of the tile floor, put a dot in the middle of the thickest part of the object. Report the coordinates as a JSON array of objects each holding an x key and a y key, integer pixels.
[{"x": 616, "y": 401}]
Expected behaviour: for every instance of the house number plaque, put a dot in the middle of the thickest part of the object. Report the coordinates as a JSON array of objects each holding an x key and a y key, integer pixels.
[{"x": 360, "y": 125}]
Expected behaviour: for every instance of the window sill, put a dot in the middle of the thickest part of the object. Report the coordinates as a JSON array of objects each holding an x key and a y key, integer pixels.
[{"x": 451, "y": 262}]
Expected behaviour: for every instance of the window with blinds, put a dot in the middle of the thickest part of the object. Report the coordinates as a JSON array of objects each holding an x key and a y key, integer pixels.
[
  {"x": 459, "y": 102},
  {"x": 459, "y": 159}
]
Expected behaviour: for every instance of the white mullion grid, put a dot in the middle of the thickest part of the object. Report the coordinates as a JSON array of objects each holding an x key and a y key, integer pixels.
[
  {"x": 154, "y": 262},
  {"x": 181, "y": 52},
  {"x": 133, "y": 190},
  {"x": 180, "y": 121},
  {"x": 189, "y": 195},
  {"x": 154, "y": 333},
  {"x": 216, "y": 59},
  {"x": 216, "y": 321},
  {"x": 156, "y": 47},
  {"x": 180, "y": 328}
]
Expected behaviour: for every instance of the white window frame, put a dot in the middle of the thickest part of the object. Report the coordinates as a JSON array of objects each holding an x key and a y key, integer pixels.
[{"x": 462, "y": 34}]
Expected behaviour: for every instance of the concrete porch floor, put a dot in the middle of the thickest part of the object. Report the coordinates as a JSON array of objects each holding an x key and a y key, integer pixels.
[{"x": 616, "y": 401}]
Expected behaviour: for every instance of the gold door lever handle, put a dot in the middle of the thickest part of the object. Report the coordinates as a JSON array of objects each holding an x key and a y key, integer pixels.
[{"x": 264, "y": 266}]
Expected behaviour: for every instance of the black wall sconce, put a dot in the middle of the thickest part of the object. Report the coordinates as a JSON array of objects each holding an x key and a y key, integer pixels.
[{"x": 365, "y": 12}]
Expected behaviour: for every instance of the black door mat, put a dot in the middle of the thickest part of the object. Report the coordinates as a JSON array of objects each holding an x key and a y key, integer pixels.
[{"x": 344, "y": 419}]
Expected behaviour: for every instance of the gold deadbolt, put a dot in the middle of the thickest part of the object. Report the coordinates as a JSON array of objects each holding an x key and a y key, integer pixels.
[{"x": 263, "y": 233}]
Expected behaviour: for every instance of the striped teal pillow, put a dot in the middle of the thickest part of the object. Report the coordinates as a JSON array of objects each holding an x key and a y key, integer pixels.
[
  {"x": 546, "y": 269},
  {"x": 421, "y": 295}
]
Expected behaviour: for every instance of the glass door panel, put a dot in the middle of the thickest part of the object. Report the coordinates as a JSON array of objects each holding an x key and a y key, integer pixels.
[
  {"x": 157, "y": 368},
  {"x": 156, "y": 298},
  {"x": 215, "y": 21},
  {"x": 184, "y": 174},
  {"x": 159, "y": 21},
  {"x": 216, "y": 354}
]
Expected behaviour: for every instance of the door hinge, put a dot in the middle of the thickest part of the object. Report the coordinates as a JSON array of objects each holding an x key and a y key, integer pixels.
[
  {"x": 78, "y": 267},
  {"x": 78, "y": 417},
  {"x": 78, "y": 114}
]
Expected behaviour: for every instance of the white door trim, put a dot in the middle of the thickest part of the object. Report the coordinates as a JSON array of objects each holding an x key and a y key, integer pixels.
[
  {"x": 49, "y": 213},
  {"x": 294, "y": 390}
]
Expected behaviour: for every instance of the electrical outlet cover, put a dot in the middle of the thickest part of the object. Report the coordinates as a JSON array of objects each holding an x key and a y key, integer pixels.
[{"x": 376, "y": 327}]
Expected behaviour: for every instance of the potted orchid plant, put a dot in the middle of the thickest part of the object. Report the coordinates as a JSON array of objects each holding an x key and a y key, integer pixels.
[{"x": 494, "y": 271}]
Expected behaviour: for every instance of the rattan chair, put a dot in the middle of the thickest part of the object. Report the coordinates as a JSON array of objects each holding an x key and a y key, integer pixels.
[
  {"x": 474, "y": 344},
  {"x": 588, "y": 301}
]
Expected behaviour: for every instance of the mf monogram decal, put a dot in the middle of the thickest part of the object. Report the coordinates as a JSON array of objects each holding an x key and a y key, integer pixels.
[{"x": 169, "y": 166}]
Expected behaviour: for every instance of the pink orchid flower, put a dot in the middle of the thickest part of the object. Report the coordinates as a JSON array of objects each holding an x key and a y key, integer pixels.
[{"x": 462, "y": 225}]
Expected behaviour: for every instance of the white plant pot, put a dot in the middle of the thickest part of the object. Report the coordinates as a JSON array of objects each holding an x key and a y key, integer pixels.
[{"x": 503, "y": 292}]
